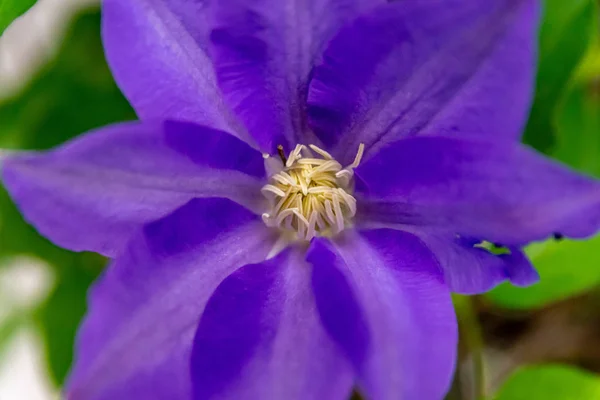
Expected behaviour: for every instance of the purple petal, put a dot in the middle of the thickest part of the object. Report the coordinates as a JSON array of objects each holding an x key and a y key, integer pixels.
[
  {"x": 470, "y": 269},
  {"x": 157, "y": 52},
  {"x": 260, "y": 338},
  {"x": 382, "y": 298},
  {"x": 264, "y": 51},
  {"x": 93, "y": 192},
  {"x": 426, "y": 66},
  {"x": 497, "y": 191},
  {"x": 136, "y": 340},
  {"x": 467, "y": 269},
  {"x": 520, "y": 269}
]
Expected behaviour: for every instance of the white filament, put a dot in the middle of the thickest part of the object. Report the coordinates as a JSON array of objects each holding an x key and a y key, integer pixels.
[{"x": 312, "y": 194}]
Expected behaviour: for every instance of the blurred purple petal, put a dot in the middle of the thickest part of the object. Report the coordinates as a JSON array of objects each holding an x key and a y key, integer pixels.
[
  {"x": 260, "y": 338},
  {"x": 136, "y": 341},
  {"x": 157, "y": 51},
  {"x": 497, "y": 191},
  {"x": 264, "y": 51},
  {"x": 470, "y": 269},
  {"x": 426, "y": 66},
  {"x": 467, "y": 269},
  {"x": 93, "y": 192},
  {"x": 381, "y": 296},
  {"x": 520, "y": 269}
]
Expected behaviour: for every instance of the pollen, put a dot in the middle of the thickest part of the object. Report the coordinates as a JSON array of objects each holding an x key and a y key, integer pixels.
[{"x": 312, "y": 194}]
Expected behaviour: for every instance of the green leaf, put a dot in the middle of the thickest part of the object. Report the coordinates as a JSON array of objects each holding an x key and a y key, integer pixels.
[
  {"x": 566, "y": 268},
  {"x": 8, "y": 327},
  {"x": 11, "y": 9},
  {"x": 71, "y": 95},
  {"x": 578, "y": 117},
  {"x": 565, "y": 34},
  {"x": 578, "y": 133},
  {"x": 590, "y": 66},
  {"x": 61, "y": 314},
  {"x": 550, "y": 382}
]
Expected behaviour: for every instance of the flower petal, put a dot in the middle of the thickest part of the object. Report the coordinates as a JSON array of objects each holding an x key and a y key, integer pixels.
[
  {"x": 264, "y": 51},
  {"x": 470, "y": 269},
  {"x": 260, "y": 338},
  {"x": 381, "y": 296},
  {"x": 499, "y": 191},
  {"x": 157, "y": 51},
  {"x": 395, "y": 72},
  {"x": 136, "y": 340},
  {"x": 467, "y": 269},
  {"x": 92, "y": 193},
  {"x": 520, "y": 269}
]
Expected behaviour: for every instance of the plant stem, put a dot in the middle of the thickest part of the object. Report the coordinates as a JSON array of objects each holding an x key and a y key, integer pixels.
[{"x": 473, "y": 341}]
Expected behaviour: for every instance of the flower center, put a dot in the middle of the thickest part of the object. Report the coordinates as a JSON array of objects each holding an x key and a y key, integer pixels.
[{"x": 312, "y": 194}]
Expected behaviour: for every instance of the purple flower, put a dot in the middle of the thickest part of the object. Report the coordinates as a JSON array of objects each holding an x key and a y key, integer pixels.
[{"x": 246, "y": 271}]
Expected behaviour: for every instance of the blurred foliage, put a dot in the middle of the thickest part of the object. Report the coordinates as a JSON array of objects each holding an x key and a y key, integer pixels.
[
  {"x": 566, "y": 268},
  {"x": 578, "y": 124},
  {"x": 590, "y": 66},
  {"x": 11, "y": 9},
  {"x": 9, "y": 326},
  {"x": 565, "y": 33},
  {"x": 550, "y": 382},
  {"x": 71, "y": 95},
  {"x": 61, "y": 314}
]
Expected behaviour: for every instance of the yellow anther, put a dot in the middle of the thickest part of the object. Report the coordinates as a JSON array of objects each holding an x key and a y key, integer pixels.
[{"x": 312, "y": 194}]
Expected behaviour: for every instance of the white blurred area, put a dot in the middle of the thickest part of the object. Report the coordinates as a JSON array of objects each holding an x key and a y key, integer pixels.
[
  {"x": 32, "y": 39},
  {"x": 22, "y": 373},
  {"x": 24, "y": 283},
  {"x": 25, "y": 46}
]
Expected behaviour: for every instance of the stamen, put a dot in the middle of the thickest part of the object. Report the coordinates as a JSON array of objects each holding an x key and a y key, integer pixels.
[
  {"x": 312, "y": 195},
  {"x": 281, "y": 154},
  {"x": 294, "y": 155},
  {"x": 359, "y": 154},
  {"x": 329, "y": 212},
  {"x": 273, "y": 189},
  {"x": 339, "y": 219},
  {"x": 322, "y": 152}
]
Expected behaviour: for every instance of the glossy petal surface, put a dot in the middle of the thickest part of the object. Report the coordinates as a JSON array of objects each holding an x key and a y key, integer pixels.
[
  {"x": 157, "y": 51},
  {"x": 93, "y": 192},
  {"x": 426, "y": 66},
  {"x": 264, "y": 51},
  {"x": 260, "y": 338},
  {"x": 381, "y": 296},
  {"x": 136, "y": 340},
  {"x": 498, "y": 191}
]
